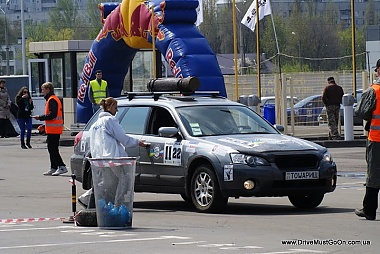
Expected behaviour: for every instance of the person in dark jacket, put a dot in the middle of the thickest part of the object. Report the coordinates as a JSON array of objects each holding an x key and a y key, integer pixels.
[
  {"x": 25, "y": 106},
  {"x": 332, "y": 98}
]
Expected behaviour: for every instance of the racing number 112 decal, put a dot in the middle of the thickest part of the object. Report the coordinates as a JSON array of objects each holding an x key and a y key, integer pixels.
[{"x": 173, "y": 153}]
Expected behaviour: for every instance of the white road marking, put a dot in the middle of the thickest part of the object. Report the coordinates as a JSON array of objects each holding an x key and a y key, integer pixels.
[
  {"x": 351, "y": 183},
  {"x": 291, "y": 251},
  {"x": 78, "y": 231},
  {"x": 117, "y": 235},
  {"x": 211, "y": 245},
  {"x": 188, "y": 243},
  {"x": 92, "y": 242},
  {"x": 241, "y": 247},
  {"x": 34, "y": 229}
]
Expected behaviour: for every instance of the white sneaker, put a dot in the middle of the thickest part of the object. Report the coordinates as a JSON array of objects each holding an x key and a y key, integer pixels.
[
  {"x": 60, "y": 170},
  {"x": 50, "y": 172}
]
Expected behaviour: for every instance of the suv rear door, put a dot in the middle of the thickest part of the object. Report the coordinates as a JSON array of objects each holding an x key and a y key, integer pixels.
[{"x": 134, "y": 122}]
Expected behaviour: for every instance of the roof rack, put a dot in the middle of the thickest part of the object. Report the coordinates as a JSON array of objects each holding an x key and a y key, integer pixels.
[
  {"x": 156, "y": 95},
  {"x": 213, "y": 94}
]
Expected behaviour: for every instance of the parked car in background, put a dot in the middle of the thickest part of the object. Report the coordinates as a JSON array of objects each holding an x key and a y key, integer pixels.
[
  {"x": 322, "y": 118},
  {"x": 271, "y": 100},
  {"x": 208, "y": 149},
  {"x": 307, "y": 111}
]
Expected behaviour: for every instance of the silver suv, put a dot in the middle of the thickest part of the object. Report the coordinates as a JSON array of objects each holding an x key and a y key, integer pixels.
[{"x": 207, "y": 148}]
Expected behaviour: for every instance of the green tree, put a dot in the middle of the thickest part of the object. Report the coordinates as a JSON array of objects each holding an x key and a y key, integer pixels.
[
  {"x": 93, "y": 18},
  {"x": 371, "y": 17},
  {"x": 346, "y": 49},
  {"x": 65, "y": 15}
]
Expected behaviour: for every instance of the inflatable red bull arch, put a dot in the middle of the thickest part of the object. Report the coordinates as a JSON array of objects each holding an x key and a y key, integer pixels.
[{"x": 128, "y": 28}]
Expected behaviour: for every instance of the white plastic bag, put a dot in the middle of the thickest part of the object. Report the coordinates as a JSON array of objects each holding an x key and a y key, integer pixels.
[{"x": 15, "y": 124}]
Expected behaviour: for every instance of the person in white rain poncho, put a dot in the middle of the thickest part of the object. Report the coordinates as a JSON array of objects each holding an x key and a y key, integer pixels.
[
  {"x": 108, "y": 140},
  {"x": 107, "y": 137}
]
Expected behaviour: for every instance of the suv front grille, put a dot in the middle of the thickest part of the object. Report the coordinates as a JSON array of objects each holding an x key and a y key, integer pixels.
[{"x": 294, "y": 162}]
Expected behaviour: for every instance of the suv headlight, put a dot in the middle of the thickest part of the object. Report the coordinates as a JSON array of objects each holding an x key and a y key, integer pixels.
[
  {"x": 253, "y": 161},
  {"x": 327, "y": 157}
]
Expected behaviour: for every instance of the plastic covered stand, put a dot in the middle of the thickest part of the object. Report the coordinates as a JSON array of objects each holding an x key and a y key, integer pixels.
[{"x": 113, "y": 183}]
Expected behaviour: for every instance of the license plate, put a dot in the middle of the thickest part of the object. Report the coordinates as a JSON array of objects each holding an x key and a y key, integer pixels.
[{"x": 302, "y": 175}]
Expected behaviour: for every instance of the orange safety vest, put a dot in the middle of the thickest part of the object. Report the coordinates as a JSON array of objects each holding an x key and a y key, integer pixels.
[
  {"x": 374, "y": 132},
  {"x": 54, "y": 126},
  {"x": 99, "y": 91}
]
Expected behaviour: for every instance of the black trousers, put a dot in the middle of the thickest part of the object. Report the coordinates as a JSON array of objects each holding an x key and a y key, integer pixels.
[
  {"x": 3, "y": 127},
  {"x": 370, "y": 201},
  {"x": 53, "y": 149}
]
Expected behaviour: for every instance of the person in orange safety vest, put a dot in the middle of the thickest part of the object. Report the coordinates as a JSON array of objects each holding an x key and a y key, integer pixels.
[
  {"x": 371, "y": 97},
  {"x": 53, "y": 118}
]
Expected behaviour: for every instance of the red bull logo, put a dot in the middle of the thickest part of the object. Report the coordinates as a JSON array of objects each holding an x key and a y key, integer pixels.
[
  {"x": 114, "y": 24},
  {"x": 86, "y": 74},
  {"x": 141, "y": 21},
  {"x": 173, "y": 65}
]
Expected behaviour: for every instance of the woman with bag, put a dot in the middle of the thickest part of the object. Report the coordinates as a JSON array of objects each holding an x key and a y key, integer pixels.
[{"x": 25, "y": 106}]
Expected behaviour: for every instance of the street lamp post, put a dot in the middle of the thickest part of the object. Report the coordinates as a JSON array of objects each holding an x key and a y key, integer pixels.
[
  {"x": 6, "y": 41},
  {"x": 23, "y": 39}
]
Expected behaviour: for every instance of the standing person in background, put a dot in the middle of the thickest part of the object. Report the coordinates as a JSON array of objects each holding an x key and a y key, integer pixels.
[
  {"x": 368, "y": 108},
  {"x": 332, "y": 98},
  {"x": 25, "y": 106},
  {"x": 53, "y": 118},
  {"x": 97, "y": 91},
  {"x": 5, "y": 106}
]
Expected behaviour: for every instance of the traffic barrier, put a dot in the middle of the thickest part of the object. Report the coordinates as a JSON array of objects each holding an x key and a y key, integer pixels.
[{"x": 73, "y": 200}]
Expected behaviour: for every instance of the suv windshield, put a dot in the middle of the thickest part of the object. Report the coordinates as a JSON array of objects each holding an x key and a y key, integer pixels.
[{"x": 223, "y": 120}]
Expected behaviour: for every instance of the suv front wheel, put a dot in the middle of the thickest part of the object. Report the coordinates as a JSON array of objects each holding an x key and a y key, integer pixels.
[
  {"x": 306, "y": 201},
  {"x": 205, "y": 191}
]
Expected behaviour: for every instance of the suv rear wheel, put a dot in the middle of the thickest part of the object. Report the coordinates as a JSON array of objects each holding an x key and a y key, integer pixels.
[{"x": 205, "y": 190}]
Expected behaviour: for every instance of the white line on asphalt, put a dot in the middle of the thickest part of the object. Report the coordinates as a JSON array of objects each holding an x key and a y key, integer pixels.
[
  {"x": 291, "y": 251},
  {"x": 78, "y": 231},
  {"x": 241, "y": 248},
  {"x": 211, "y": 245},
  {"x": 33, "y": 229},
  {"x": 92, "y": 242},
  {"x": 351, "y": 183},
  {"x": 188, "y": 243}
]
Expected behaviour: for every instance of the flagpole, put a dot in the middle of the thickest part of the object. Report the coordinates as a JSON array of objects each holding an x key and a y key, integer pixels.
[
  {"x": 258, "y": 50},
  {"x": 253, "y": 14},
  {"x": 153, "y": 44},
  {"x": 278, "y": 48},
  {"x": 235, "y": 49}
]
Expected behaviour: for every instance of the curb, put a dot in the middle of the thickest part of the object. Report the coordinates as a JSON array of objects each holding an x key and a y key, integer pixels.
[{"x": 341, "y": 143}]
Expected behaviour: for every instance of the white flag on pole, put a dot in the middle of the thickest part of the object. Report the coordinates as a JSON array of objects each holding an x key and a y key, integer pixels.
[
  {"x": 249, "y": 19},
  {"x": 199, "y": 13}
]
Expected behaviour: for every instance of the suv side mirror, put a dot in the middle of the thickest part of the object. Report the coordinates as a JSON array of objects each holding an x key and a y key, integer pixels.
[
  {"x": 279, "y": 127},
  {"x": 167, "y": 132}
]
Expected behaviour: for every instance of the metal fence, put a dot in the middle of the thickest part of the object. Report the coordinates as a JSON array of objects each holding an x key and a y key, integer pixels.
[{"x": 300, "y": 85}]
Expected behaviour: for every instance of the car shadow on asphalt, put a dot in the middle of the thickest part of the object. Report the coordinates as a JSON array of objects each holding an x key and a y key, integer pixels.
[{"x": 237, "y": 208}]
